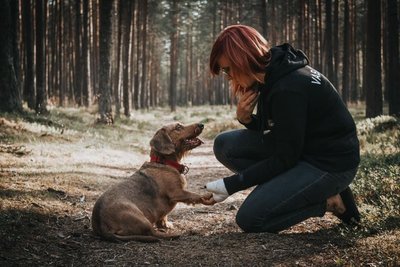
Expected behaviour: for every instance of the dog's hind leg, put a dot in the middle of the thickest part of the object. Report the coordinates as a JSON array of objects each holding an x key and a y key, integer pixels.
[{"x": 129, "y": 223}]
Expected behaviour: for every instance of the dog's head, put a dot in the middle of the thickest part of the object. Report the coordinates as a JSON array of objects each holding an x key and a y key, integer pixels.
[{"x": 175, "y": 140}]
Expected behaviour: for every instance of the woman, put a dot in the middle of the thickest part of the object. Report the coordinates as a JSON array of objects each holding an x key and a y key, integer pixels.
[{"x": 300, "y": 149}]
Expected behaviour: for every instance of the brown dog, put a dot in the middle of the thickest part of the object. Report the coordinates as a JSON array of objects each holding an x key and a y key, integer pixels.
[{"x": 137, "y": 208}]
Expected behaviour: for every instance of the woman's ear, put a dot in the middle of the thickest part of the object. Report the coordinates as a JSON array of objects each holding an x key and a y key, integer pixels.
[{"x": 162, "y": 143}]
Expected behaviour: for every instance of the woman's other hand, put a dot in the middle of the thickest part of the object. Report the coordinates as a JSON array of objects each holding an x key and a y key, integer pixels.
[{"x": 246, "y": 104}]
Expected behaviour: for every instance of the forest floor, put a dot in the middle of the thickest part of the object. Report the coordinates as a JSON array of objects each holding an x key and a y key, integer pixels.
[{"x": 52, "y": 172}]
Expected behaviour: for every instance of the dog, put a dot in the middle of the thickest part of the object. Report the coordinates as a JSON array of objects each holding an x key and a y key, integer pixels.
[{"x": 137, "y": 208}]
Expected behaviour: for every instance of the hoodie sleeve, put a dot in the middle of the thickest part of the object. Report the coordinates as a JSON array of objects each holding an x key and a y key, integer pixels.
[
  {"x": 254, "y": 124},
  {"x": 289, "y": 113}
]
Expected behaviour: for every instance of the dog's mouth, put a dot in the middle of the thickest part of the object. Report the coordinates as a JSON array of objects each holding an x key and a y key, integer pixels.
[{"x": 192, "y": 142}]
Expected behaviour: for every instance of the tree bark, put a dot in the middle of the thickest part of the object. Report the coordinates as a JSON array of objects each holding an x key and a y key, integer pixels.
[
  {"x": 41, "y": 96},
  {"x": 143, "y": 89},
  {"x": 10, "y": 99},
  {"x": 346, "y": 54},
  {"x": 78, "y": 54},
  {"x": 137, "y": 72},
  {"x": 105, "y": 109},
  {"x": 173, "y": 56},
  {"x": 336, "y": 44},
  {"x": 374, "y": 105},
  {"x": 393, "y": 71},
  {"x": 328, "y": 41},
  {"x": 126, "y": 7},
  {"x": 85, "y": 53},
  {"x": 29, "y": 89}
]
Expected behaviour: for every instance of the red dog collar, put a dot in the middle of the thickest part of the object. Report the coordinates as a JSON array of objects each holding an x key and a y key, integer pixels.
[{"x": 180, "y": 167}]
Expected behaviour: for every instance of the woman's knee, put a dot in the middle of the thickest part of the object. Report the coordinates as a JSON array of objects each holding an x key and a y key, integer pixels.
[
  {"x": 221, "y": 146},
  {"x": 244, "y": 222},
  {"x": 251, "y": 224},
  {"x": 250, "y": 221}
]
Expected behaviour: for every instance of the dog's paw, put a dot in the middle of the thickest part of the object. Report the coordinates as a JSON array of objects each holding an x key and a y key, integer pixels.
[
  {"x": 168, "y": 225},
  {"x": 207, "y": 199},
  {"x": 207, "y": 196},
  {"x": 163, "y": 226}
]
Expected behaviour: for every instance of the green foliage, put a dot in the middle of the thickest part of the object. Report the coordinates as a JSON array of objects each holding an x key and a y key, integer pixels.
[
  {"x": 380, "y": 135},
  {"x": 377, "y": 184}
]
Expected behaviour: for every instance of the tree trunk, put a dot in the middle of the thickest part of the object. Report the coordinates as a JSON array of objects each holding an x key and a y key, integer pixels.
[
  {"x": 78, "y": 55},
  {"x": 29, "y": 90},
  {"x": 328, "y": 41},
  {"x": 301, "y": 20},
  {"x": 336, "y": 44},
  {"x": 85, "y": 69},
  {"x": 69, "y": 52},
  {"x": 373, "y": 61},
  {"x": 143, "y": 90},
  {"x": 10, "y": 99},
  {"x": 137, "y": 72},
  {"x": 16, "y": 33},
  {"x": 126, "y": 7},
  {"x": 105, "y": 110},
  {"x": 188, "y": 61},
  {"x": 153, "y": 73},
  {"x": 354, "y": 93},
  {"x": 60, "y": 52},
  {"x": 41, "y": 97},
  {"x": 173, "y": 56},
  {"x": 346, "y": 54},
  {"x": 132, "y": 57},
  {"x": 263, "y": 17},
  {"x": 116, "y": 57},
  {"x": 94, "y": 70},
  {"x": 393, "y": 71}
]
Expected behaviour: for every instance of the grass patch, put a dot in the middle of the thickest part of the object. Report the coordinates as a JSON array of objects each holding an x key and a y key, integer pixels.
[
  {"x": 377, "y": 187},
  {"x": 377, "y": 184}
]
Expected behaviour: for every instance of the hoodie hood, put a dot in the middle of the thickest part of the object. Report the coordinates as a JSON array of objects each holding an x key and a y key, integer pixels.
[{"x": 284, "y": 59}]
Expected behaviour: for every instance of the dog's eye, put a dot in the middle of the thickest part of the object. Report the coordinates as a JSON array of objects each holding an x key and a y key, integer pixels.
[{"x": 178, "y": 127}]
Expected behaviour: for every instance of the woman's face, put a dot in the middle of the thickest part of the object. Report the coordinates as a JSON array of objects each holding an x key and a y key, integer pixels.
[{"x": 239, "y": 78}]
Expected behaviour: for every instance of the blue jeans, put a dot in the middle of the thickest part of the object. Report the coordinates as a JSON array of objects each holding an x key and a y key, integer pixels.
[{"x": 291, "y": 197}]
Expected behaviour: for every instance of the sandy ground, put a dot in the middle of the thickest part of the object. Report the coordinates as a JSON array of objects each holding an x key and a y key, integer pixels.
[{"x": 48, "y": 190}]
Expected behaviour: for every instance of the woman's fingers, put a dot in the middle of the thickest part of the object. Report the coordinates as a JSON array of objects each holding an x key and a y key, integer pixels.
[
  {"x": 249, "y": 99},
  {"x": 246, "y": 105}
]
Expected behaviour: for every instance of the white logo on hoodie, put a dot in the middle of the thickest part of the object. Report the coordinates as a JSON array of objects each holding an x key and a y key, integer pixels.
[{"x": 315, "y": 76}]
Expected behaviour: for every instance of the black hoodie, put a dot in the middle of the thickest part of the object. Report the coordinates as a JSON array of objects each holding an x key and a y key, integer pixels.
[{"x": 300, "y": 116}]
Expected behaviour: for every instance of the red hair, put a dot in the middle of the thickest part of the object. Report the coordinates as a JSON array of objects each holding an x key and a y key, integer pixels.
[{"x": 245, "y": 48}]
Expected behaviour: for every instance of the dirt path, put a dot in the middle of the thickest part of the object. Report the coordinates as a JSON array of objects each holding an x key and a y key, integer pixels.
[{"x": 47, "y": 197}]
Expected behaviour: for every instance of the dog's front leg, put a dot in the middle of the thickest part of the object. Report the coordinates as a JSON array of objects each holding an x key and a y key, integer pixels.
[
  {"x": 191, "y": 198},
  {"x": 163, "y": 224}
]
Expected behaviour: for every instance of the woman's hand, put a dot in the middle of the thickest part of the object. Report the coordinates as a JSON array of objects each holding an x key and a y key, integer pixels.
[
  {"x": 246, "y": 104},
  {"x": 218, "y": 190}
]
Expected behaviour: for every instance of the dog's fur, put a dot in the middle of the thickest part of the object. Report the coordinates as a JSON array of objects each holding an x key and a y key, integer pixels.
[{"x": 137, "y": 208}]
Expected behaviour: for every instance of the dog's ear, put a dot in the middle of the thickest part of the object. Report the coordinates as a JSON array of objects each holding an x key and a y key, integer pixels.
[{"x": 162, "y": 143}]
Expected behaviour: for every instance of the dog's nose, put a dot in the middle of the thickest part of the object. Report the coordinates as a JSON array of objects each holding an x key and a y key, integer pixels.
[{"x": 201, "y": 126}]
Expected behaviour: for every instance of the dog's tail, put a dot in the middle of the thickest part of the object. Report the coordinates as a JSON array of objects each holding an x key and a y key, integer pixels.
[
  {"x": 140, "y": 238},
  {"x": 167, "y": 236},
  {"x": 155, "y": 236}
]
